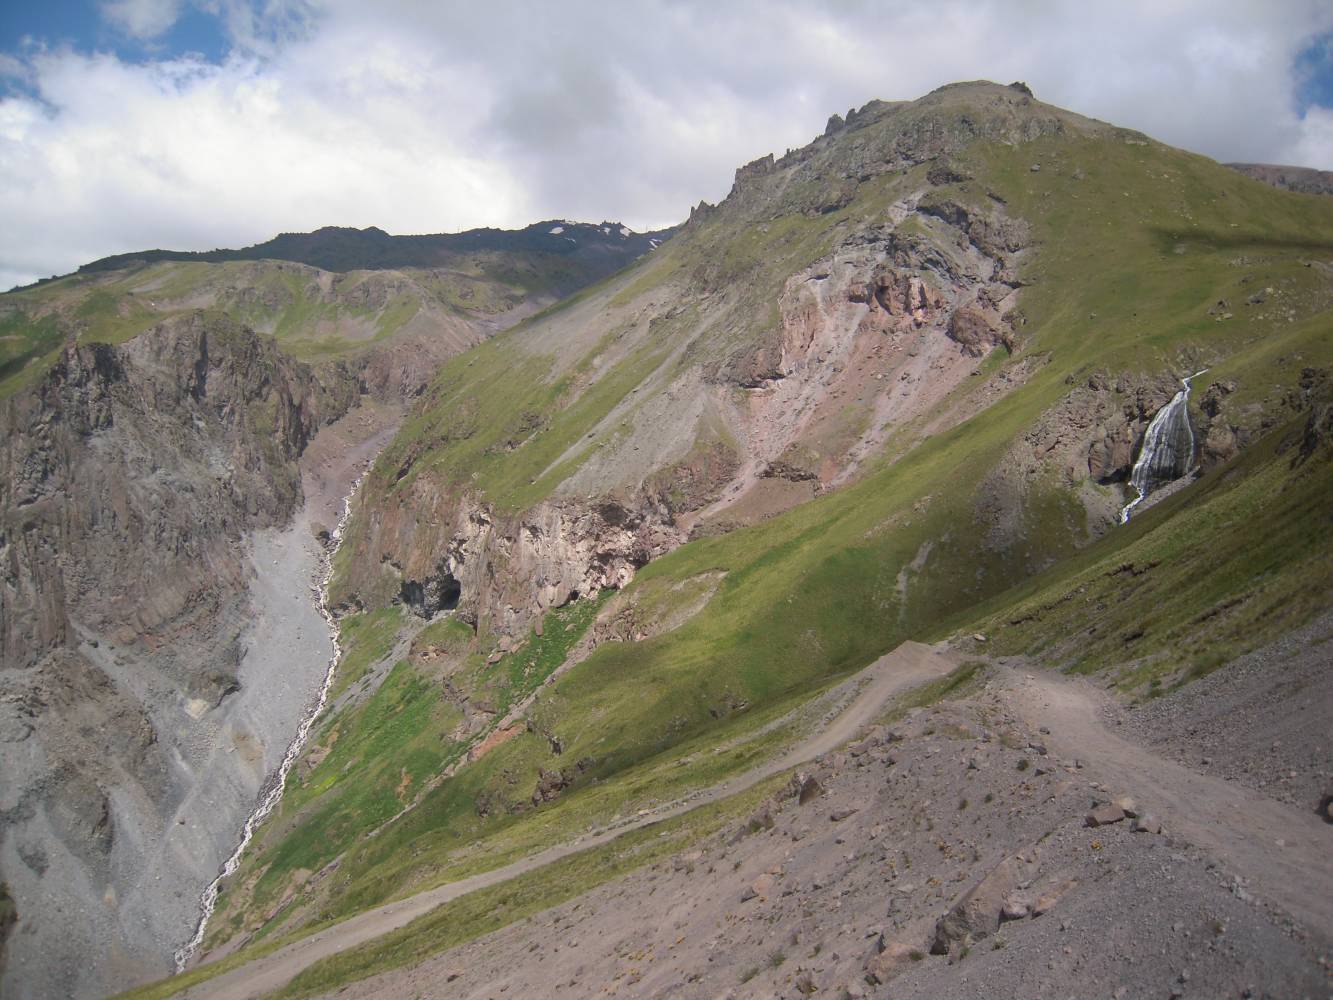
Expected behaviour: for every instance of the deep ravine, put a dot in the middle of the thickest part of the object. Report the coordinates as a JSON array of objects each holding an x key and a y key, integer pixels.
[{"x": 271, "y": 793}]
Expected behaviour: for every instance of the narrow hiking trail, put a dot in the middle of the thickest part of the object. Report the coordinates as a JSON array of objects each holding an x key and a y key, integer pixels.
[
  {"x": 1285, "y": 855},
  {"x": 906, "y": 667}
]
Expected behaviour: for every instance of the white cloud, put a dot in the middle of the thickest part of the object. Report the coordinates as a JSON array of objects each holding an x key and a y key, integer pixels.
[
  {"x": 142, "y": 19},
  {"x": 421, "y": 117},
  {"x": 1313, "y": 145}
]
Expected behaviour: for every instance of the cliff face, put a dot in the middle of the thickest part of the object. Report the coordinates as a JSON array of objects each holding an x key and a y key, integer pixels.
[
  {"x": 134, "y": 477},
  {"x": 158, "y": 637},
  {"x": 1305, "y": 180},
  {"x": 130, "y": 470}
]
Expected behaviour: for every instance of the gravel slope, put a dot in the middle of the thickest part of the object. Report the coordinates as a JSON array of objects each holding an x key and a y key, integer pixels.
[
  {"x": 909, "y": 665},
  {"x": 827, "y": 900}
]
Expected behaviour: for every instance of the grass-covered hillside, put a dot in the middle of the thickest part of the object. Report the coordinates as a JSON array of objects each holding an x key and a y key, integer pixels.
[
  {"x": 938, "y": 458},
  {"x": 331, "y": 294}
]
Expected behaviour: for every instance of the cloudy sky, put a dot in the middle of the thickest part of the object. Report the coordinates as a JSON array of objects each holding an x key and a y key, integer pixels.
[{"x": 190, "y": 124}]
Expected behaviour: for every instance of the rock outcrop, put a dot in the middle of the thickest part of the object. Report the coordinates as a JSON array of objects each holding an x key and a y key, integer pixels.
[
  {"x": 129, "y": 469},
  {"x": 887, "y": 325},
  {"x": 1303, "y": 179},
  {"x": 134, "y": 475}
]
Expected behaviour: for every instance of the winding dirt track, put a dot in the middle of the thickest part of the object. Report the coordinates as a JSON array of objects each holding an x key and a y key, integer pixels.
[
  {"x": 1284, "y": 854},
  {"x": 909, "y": 665}
]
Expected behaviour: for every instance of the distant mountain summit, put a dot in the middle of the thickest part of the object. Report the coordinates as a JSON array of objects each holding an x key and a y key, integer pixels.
[
  {"x": 342, "y": 248},
  {"x": 1303, "y": 179}
]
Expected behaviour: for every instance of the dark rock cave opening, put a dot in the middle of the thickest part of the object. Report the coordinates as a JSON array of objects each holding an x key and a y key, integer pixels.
[
  {"x": 450, "y": 592},
  {"x": 441, "y": 592}
]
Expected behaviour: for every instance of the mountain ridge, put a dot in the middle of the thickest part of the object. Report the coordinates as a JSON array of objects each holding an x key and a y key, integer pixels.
[
  {"x": 342, "y": 248},
  {"x": 889, "y": 389},
  {"x": 894, "y": 375},
  {"x": 1306, "y": 180}
]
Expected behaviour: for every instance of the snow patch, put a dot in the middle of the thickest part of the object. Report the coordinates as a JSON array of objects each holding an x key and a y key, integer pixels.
[{"x": 557, "y": 230}]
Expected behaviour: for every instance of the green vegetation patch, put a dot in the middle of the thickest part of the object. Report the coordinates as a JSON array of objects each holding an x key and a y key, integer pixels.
[
  {"x": 487, "y": 910},
  {"x": 375, "y": 756},
  {"x": 366, "y": 639},
  {"x": 1243, "y": 556},
  {"x": 526, "y": 669},
  {"x": 27, "y": 345}
]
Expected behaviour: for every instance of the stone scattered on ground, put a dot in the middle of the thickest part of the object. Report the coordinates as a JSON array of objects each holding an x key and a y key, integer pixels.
[{"x": 947, "y": 867}]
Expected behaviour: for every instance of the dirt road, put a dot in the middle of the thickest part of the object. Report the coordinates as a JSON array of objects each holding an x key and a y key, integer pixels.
[
  {"x": 1285, "y": 855},
  {"x": 909, "y": 665}
]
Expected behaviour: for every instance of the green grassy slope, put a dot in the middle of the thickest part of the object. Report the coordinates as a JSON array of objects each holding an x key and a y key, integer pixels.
[
  {"x": 1133, "y": 243},
  {"x": 1193, "y": 582},
  {"x": 316, "y": 314}
]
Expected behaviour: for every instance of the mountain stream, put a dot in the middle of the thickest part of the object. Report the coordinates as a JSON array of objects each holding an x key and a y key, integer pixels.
[{"x": 270, "y": 797}]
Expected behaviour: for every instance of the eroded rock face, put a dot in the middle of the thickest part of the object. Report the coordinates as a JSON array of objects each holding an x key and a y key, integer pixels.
[
  {"x": 1092, "y": 437},
  {"x": 1089, "y": 440},
  {"x": 887, "y": 323},
  {"x": 504, "y": 569},
  {"x": 133, "y": 475},
  {"x": 125, "y": 463}
]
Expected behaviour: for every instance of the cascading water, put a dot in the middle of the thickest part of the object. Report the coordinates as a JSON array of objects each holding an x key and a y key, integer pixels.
[
  {"x": 269, "y": 799},
  {"x": 1168, "y": 448}
]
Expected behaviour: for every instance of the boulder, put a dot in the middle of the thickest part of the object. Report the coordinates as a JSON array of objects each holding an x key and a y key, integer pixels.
[
  {"x": 1147, "y": 823},
  {"x": 803, "y": 787},
  {"x": 973, "y": 330},
  {"x": 1126, "y": 805},
  {"x": 1017, "y": 905},
  {"x": 549, "y": 785},
  {"x": 760, "y": 819},
  {"x": 1104, "y": 815},
  {"x": 890, "y": 959},
  {"x": 976, "y": 915}
]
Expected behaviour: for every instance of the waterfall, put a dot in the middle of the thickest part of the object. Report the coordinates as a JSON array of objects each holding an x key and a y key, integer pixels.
[
  {"x": 1168, "y": 448},
  {"x": 269, "y": 799}
]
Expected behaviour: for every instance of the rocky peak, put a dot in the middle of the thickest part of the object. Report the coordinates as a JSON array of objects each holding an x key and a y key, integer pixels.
[
  {"x": 891, "y": 137},
  {"x": 755, "y": 168},
  {"x": 1302, "y": 179}
]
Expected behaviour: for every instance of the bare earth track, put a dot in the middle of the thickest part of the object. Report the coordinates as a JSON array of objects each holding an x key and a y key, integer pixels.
[
  {"x": 909, "y": 665},
  {"x": 1281, "y": 853},
  {"x": 978, "y": 801},
  {"x": 1286, "y": 854}
]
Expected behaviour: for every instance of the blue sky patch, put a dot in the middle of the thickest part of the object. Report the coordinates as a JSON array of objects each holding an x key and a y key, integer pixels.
[
  {"x": 1313, "y": 70},
  {"x": 79, "y": 25}
]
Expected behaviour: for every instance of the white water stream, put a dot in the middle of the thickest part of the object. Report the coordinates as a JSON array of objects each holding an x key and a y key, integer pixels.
[
  {"x": 269, "y": 799},
  {"x": 1168, "y": 448}
]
